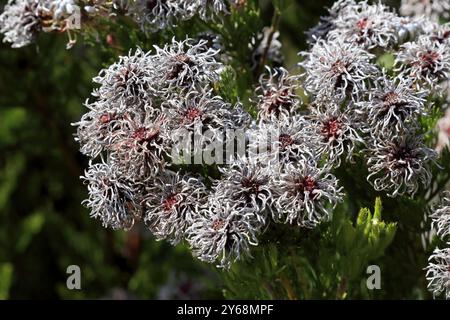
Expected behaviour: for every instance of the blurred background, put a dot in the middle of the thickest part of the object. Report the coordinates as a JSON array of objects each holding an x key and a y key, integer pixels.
[{"x": 43, "y": 226}]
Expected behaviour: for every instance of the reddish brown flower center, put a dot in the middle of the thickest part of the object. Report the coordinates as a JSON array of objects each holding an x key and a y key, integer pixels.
[
  {"x": 178, "y": 65},
  {"x": 305, "y": 184},
  {"x": 331, "y": 128},
  {"x": 192, "y": 114},
  {"x": 401, "y": 156},
  {"x": 391, "y": 98},
  {"x": 363, "y": 23},
  {"x": 105, "y": 118},
  {"x": 251, "y": 184},
  {"x": 338, "y": 67},
  {"x": 218, "y": 224},
  {"x": 142, "y": 135},
  {"x": 170, "y": 202},
  {"x": 428, "y": 59},
  {"x": 448, "y": 131},
  {"x": 285, "y": 140}
]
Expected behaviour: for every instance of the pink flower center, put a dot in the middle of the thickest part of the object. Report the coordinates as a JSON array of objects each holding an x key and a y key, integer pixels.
[
  {"x": 285, "y": 140},
  {"x": 306, "y": 184},
  {"x": 331, "y": 128},
  {"x": 170, "y": 202},
  {"x": 105, "y": 118},
  {"x": 428, "y": 59},
  {"x": 143, "y": 135},
  {"x": 363, "y": 23},
  {"x": 218, "y": 224},
  {"x": 391, "y": 98},
  {"x": 192, "y": 114}
]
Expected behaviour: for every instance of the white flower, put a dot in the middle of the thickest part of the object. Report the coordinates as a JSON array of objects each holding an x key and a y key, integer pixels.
[
  {"x": 246, "y": 183},
  {"x": 399, "y": 163},
  {"x": 112, "y": 199},
  {"x": 425, "y": 61},
  {"x": 336, "y": 131},
  {"x": 393, "y": 103},
  {"x": 171, "y": 203},
  {"x": 126, "y": 81},
  {"x": 441, "y": 216},
  {"x": 339, "y": 69},
  {"x": 280, "y": 142},
  {"x": 277, "y": 94},
  {"x": 183, "y": 65},
  {"x": 221, "y": 232},
  {"x": 438, "y": 272},
  {"x": 367, "y": 25},
  {"x": 301, "y": 191},
  {"x": 431, "y": 8},
  {"x": 20, "y": 22}
]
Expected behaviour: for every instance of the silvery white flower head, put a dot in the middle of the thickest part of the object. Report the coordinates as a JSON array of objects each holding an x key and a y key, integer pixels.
[
  {"x": 339, "y": 69},
  {"x": 438, "y": 272},
  {"x": 127, "y": 80},
  {"x": 260, "y": 46},
  {"x": 370, "y": 26},
  {"x": 100, "y": 128},
  {"x": 244, "y": 181},
  {"x": 200, "y": 120},
  {"x": 21, "y": 22},
  {"x": 437, "y": 32},
  {"x": 399, "y": 163},
  {"x": 392, "y": 103},
  {"x": 281, "y": 142},
  {"x": 425, "y": 61},
  {"x": 112, "y": 199},
  {"x": 301, "y": 192},
  {"x": 277, "y": 94},
  {"x": 336, "y": 131},
  {"x": 224, "y": 233},
  {"x": 172, "y": 200},
  {"x": 144, "y": 144},
  {"x": 431, "y": 8},
  {"x": 153, "y": 15},
  {"x": 199, "y": 109},
  {"x": 441, "y": 216},
  {"x": 327, "y": 23},
  {"x": 184, "y": 65}
]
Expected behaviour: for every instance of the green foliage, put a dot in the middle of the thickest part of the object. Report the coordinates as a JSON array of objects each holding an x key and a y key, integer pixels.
[
  {"x": 6, "y": 271},
  {"x": 328, "y": 262}
]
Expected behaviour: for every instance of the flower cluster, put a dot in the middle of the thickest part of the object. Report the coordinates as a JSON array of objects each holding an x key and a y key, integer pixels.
[
  {"x": 381, "y": 106},
  {"x": 149, "y": 105},
  {"x": 153, "y": 15},
  {"x": 438, "y": 270},
  {"x": 433, "y": 9},
  {"x": 156, "y": 115},
  {"x": 144, "y": 104},
  {"x": 23, "y": 20}
]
